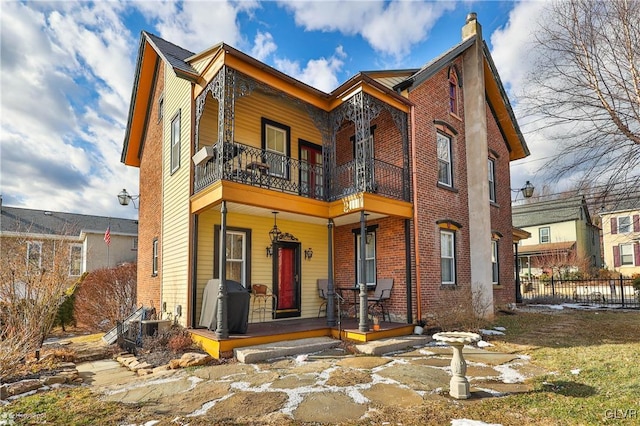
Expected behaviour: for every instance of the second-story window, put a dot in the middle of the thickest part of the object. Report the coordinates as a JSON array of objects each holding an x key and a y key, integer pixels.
[
  {"x": 175, "y": 143},
  {"x": 545, "y": 235},
  {"x": 444, "y": 159},
  {"x": 492, "y": 180},
  {"x": 34, "y": 254},
  {"x": 276, "y": 142},
  {"x": 624, "y": 224},
  {"x": 75, "y": 259}
]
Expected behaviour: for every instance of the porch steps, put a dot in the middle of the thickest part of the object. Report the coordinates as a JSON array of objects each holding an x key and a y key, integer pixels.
[
  {"x": 394, "y": 344},
  {"x": 258, "y": 353}
]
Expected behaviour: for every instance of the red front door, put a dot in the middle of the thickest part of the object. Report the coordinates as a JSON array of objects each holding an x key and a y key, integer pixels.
[{"x": 286, "y": 271}]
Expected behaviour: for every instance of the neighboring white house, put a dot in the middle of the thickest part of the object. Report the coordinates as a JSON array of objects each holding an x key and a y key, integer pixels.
[
  {"x": 563, "y": 237},
  {"x": 36, "y": 231},
  {"x": 621, "y": 237}
]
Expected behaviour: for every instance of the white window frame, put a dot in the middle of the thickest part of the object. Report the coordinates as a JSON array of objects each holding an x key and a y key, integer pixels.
[
  {"x": 548, "y": 236},
  {"x": 629, "y": 255},
  {"x": 277, "y": 159},
  {"x": 492, "y": 179},
  {"x": 175, "y": 142},
  {"x": 624, "y": 228},
  {"x": 134, "y": 243},
  {"x": 370, "y": 257},
  {"x": 448, "y": 256},
  {"x": 154, "y": 257},
  {"x": 242, "y": 260},
  {"x": 72, "y": 272},
  {"x": 31, "y": 247},
  {"x": 443, "y": 146},
  {"x": 495, "y": 266}
]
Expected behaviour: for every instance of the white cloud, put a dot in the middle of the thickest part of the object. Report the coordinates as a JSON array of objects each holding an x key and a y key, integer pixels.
[
  {"x": 319, "y": 73},
  {"x": 391, "y": 28},
  {"x": 263, "y": 46}
]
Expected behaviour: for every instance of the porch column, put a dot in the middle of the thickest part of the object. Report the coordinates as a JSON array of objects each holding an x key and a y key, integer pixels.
[
  {"x": 222, "y": 330},
  {"x": 518, "y": 289},
  {"x": 331, "y": 307},
  {"x": 364, "y": 320}
]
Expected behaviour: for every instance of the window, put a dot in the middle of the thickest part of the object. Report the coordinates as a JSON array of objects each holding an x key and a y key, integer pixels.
[
  {"x": 453, "y": 91},
  {"x": 236, "y": 256},
  {"x": 154, "y": 258},
  {"x": 75, "y": 259},
  {"x": 276, "y": 142},
  {"x": 134, "y": 244},
  {"x": 545, "y": 235},
  {"x": 447, "y": 257},
  {"x": 175, "y": 143},
  {"x": 34, "y": 254},
  {"x": 444, "y": 159},
  {"x": 369, "y": 258},
  {"x": 624, "y": 224},
  {"x": 494, "y": 262},
  {"x": 161, "y": 108},
  {"x": 492, "y": 180},
  {"x": 626, "y": 254}
]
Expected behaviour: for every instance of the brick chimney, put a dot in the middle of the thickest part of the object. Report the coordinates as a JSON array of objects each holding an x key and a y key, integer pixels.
[{"x": 472, "y": 27}]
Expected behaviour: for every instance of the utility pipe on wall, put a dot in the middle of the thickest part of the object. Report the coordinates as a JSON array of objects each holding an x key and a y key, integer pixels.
[{"x": 416, "y": 238}]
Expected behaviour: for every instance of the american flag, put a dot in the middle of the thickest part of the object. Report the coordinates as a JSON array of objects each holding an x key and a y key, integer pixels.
[{"x": 107, "y": 235}]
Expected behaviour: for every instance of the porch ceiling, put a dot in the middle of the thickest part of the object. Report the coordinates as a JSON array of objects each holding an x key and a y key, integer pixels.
[{"x": 352, "y": 217}]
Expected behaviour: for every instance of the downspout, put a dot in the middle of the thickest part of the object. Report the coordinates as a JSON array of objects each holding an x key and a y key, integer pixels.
[{"x": 416, "y": 238}]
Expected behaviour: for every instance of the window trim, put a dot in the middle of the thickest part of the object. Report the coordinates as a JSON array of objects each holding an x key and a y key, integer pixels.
[
  {"x": 265, "y": 123},
  {"x": 154, "y": 257},
  {"x": 548, "y": 229},
  {"x": 71, "y": 247},
  {"x": 631, "y": 254},
  {"x": 627, "y": 226},
  {"x": 217, "y": 232},
  {"x": 454, "y": 95},
  {"x": 175, "y": 143},
  {"x": 495, "y": 262},
  {"x": 449, "y": 162},
  {"x": 491, "y": 164},
  {"x": 452, "y": 258}
]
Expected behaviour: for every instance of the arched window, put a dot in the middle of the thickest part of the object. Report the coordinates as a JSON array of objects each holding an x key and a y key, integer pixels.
[{"x": 453, "y": 91}]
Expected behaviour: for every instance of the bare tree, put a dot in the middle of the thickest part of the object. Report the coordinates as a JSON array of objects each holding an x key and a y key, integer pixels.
[{"x": 584, "y": 90}]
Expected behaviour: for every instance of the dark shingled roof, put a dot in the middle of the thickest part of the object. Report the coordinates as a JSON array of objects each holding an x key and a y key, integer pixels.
[
  {"x": 554, "y": 211},
  {"x": 173, "y": 54},
  {"x": 28, "y": 221}
]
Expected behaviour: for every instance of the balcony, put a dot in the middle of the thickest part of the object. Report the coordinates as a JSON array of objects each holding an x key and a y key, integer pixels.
[{"x": 256, "y": 167}]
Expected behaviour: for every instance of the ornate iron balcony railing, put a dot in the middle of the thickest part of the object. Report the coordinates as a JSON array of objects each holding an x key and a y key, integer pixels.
[{"x": 261, "y": 168}]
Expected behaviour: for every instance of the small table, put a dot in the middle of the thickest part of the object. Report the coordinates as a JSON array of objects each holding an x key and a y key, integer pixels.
[
  {"x": 258, "y": 169},
  {"x": 356, "y": 297}
]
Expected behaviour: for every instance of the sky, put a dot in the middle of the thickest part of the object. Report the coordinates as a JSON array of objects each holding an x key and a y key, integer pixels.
[{"x": 67, "y": 70}]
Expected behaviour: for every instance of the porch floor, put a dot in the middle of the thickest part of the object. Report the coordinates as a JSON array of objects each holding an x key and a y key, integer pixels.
[{"x": 277, "y": 331}]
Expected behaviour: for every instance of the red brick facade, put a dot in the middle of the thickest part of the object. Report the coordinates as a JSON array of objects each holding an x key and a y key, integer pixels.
[{"x": 150, "y": 213}]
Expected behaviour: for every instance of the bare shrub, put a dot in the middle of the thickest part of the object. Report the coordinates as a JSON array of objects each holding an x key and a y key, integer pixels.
[
  {"x": 106, "y": 296},
  {"x": 34, "y": 281},
  {"x": 467, "y": 313}
]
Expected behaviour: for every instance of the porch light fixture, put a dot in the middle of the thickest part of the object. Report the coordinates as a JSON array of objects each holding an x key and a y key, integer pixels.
[
  {"x": 274, "y": 234},
  {"x": 526, "y": 190},
  {"x": 308, "y": 254},
  {"x": 124, "y": 198}
]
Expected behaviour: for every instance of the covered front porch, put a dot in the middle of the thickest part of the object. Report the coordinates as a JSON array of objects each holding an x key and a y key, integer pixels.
[{"x": 276, "y": 331}]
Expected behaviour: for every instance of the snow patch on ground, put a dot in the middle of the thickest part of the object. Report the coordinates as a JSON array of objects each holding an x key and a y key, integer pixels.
[{"x": 467, "y": 422}]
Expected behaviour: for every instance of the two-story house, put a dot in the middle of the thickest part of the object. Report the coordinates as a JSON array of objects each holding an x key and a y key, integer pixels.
[
  {"x": 249, "y": 174},
  {"x": 563, "y": 237},
  {"x": 43, "y": 237},
  {"x": 621, "y": 237}
]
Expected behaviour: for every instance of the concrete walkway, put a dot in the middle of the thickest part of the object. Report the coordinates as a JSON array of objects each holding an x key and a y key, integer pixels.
[{"x": 329, "y": 386}]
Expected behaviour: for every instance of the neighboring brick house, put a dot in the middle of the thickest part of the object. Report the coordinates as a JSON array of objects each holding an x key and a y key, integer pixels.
[
  {"x": 563, "y": 237},
  {"x": 250, "y": 174},
  {"x": 39, "y": 233},
  {"x": 621, "y": 237}
]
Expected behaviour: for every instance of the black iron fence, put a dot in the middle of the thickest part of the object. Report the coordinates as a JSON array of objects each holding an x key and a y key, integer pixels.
[{"x": 617, "y": 292}]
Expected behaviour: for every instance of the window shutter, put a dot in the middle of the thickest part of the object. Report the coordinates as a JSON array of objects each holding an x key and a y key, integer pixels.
[
  {"x": 636, "y": 253},
  {"x": 616, "y": 256},
  {"x": 614, "y": 225},
  {"x": 636, "y": 223}
]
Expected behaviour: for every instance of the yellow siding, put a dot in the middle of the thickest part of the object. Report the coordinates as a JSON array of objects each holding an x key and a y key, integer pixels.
[
  {"x": 175, "y": 217},
  {"x": 251, "y": 109},
  {"x": 208, "y": 131},
  {"x": 313, "y": 236}
]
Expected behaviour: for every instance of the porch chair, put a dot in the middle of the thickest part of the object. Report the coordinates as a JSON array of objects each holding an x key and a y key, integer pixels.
[
  {"x": 323, "y": 291},
  {"x": 380, "y": 296},
  {"x": 262, "y": 296}
]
